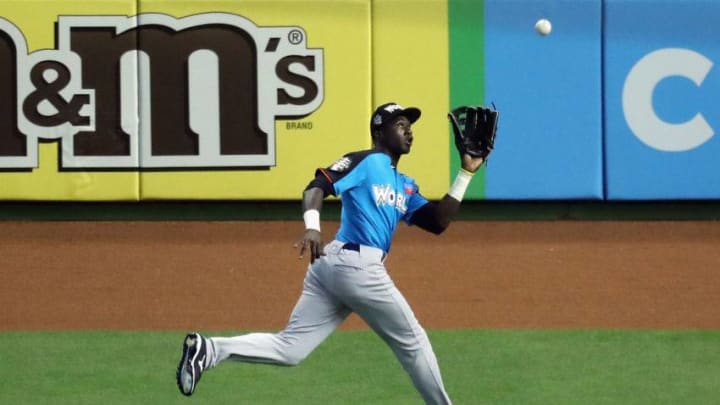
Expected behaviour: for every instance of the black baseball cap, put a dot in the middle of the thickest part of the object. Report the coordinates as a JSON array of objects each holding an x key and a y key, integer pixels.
[{"x": 388, "y": 111}]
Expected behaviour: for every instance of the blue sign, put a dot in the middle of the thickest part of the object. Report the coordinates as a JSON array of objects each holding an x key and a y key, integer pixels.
[
  {"x": 549, "y": 92},
  {"x": 662, "y": 99}
]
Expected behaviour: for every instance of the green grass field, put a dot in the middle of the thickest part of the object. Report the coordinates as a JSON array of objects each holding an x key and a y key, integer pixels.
[{"x": 479, "y": 367}]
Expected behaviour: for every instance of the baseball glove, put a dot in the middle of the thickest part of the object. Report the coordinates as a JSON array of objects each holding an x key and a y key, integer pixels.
[{"x": 475, "y": 128}]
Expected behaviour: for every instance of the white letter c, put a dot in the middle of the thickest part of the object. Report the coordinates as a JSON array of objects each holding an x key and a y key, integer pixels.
[{"x": 637, "y": 99}]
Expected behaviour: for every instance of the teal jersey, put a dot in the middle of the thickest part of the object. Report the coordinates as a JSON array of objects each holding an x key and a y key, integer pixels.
[{"x": 374, "y": 195}]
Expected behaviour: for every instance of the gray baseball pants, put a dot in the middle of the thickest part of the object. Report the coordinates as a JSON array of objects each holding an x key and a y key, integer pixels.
[{"x": 345, "y": 280}]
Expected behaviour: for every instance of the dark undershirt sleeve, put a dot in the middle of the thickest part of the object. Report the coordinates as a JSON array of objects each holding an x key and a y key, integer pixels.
[
  {"x": 425, "y": 218},
  {"x": 327, "y": 177},
  {"x": 323, "y": 181}
]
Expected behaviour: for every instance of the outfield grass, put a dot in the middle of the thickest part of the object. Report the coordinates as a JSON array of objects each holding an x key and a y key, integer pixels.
[{"x": 479, "y": 367}]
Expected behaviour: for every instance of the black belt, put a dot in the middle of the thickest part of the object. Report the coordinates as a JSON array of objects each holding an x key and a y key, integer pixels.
[
  {"x": 351, "y": 246},
  {"x": 356, "y": 247}
]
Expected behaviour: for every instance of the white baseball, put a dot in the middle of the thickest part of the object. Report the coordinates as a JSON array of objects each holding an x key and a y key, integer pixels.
[{"x": 543, "y": 27}]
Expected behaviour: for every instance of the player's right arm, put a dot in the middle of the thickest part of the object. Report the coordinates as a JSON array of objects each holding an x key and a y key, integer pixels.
[
  {"x": 312, "y": 201},
  {"x": 333, "y": 180}
]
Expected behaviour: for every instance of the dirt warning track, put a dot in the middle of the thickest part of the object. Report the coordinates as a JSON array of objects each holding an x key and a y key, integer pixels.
[{"x": 246, "y": 275}]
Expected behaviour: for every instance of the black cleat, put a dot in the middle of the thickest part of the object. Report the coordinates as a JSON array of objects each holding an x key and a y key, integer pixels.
[{"x": 192, "y": 363}]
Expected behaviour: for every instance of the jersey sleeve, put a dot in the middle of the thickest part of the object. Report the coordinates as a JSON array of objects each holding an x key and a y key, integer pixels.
[
  {"x": 342, "y": 175},
  {"x": 415, "y": 200}
]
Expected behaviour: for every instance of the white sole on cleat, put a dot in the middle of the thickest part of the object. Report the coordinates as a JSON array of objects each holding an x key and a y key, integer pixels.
[{"x": 187, "y": 378}]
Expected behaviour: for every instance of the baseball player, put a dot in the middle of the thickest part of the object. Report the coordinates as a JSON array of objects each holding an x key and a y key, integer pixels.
[{"x": 348, "y": 274}]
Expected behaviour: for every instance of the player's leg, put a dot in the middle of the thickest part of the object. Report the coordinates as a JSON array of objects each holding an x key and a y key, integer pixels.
[
  {"x": 396, "y": 324},
  {"x": 315, "y": 316},
  {"x": 372, "y": 294}
]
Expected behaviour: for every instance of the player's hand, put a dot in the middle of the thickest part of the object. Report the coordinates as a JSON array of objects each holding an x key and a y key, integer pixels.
[
  {"x": 471, "y": 163},
  {"x": 312, "y": 242}
]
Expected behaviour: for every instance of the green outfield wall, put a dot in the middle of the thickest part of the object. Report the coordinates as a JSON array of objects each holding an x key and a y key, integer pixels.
[{"x": 290, "y": 211}]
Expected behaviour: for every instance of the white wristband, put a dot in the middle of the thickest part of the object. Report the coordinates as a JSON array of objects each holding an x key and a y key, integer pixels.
[
  {"x": 312, "y": 219},
  {"x": 460, "y": 185}
]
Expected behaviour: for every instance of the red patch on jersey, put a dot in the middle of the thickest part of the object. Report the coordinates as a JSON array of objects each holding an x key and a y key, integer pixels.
[{"x": 409, "y": 189}]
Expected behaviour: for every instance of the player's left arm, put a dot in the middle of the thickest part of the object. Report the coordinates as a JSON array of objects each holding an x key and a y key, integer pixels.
[
  {"x": 436, "y": 217},
  {"x": 474, "y": 129}
]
